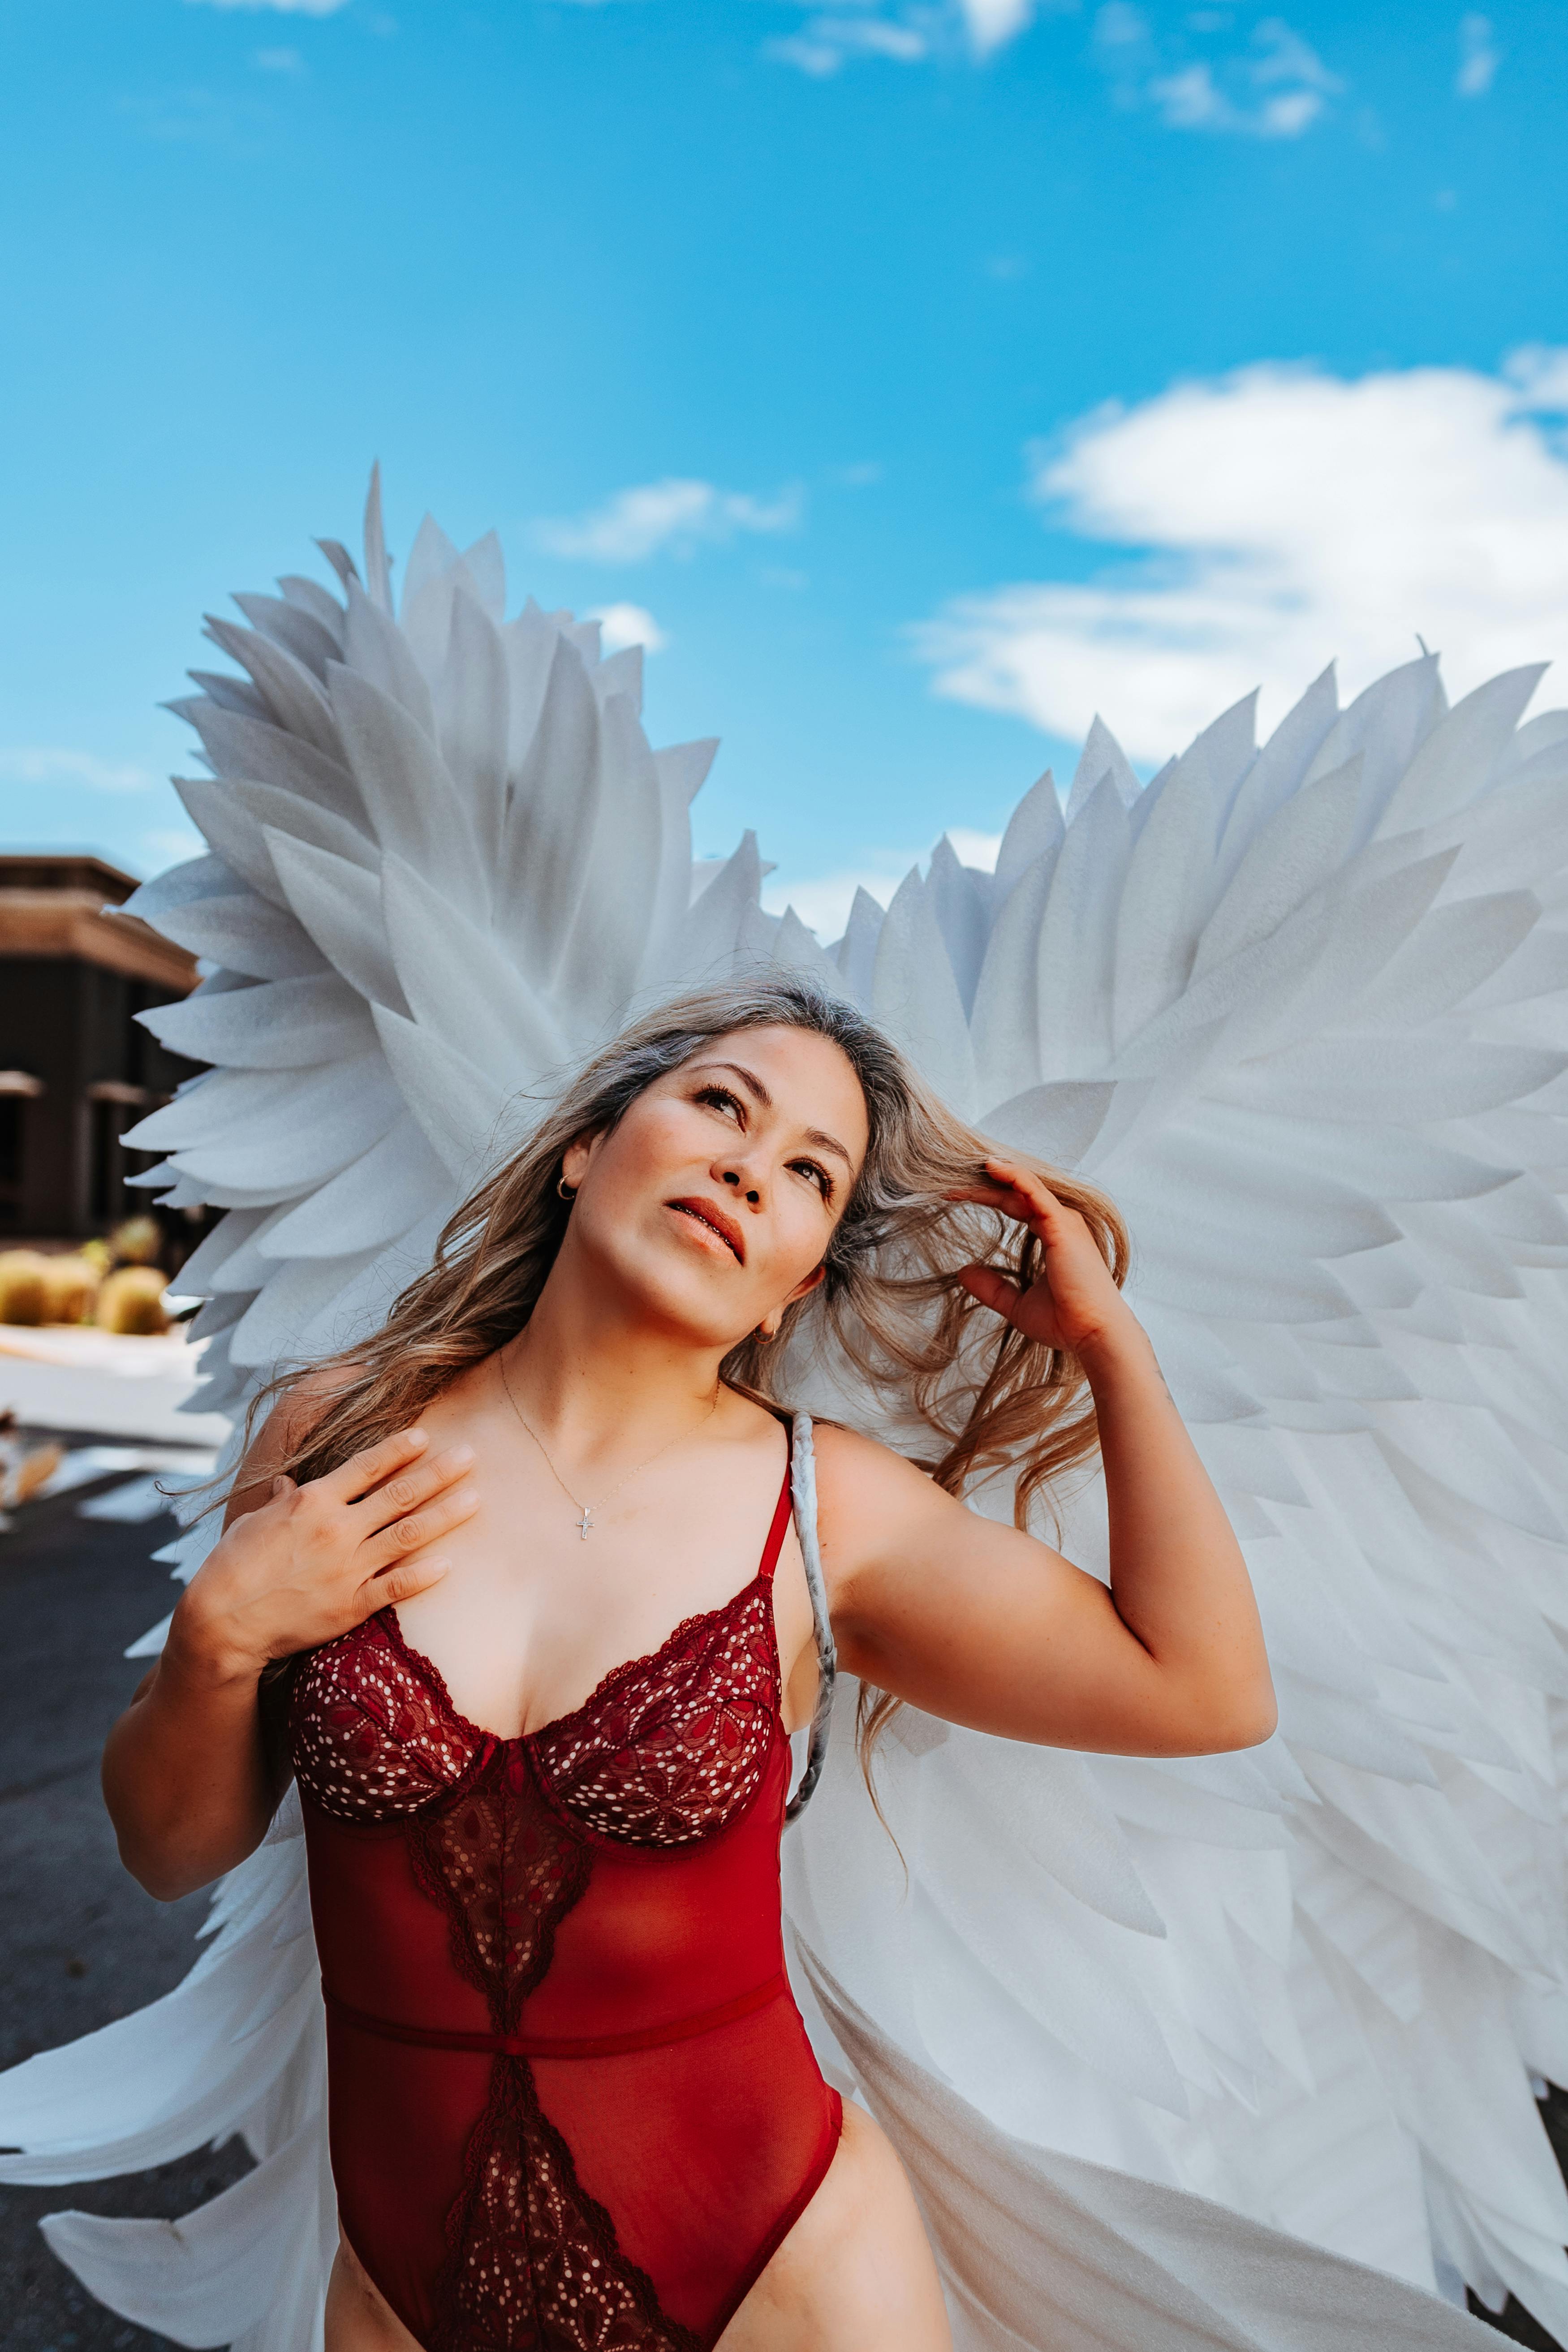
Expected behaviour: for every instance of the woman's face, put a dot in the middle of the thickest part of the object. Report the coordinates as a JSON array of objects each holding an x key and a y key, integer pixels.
[{"x": 713, "y": 1201}]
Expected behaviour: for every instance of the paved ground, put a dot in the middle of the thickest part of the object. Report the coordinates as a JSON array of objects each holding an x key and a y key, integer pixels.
[{"x": 79, "y": 1942}]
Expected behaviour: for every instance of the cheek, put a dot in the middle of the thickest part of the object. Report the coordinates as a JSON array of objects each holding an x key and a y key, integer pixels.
[
  {"x": 802, "y": 1235},
  {"x": 643, "y": 1154}
]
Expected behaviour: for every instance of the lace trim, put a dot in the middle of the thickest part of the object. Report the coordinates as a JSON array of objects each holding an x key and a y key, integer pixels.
[
  {"x": 507, "y": 1872},
  {"x": 666, "y": 1758},
  {"x": 533, "y": 2264},
  {"x": 649, "y": 1662},
  {"x": 373, "y": 1737},
  {"x": 653, "y": 1659}
]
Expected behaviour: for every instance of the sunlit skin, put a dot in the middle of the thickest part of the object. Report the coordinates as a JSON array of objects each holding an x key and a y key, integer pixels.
[{"x": 697, "y": 1220}]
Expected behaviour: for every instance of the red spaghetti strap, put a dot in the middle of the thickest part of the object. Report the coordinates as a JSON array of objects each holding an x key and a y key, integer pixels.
[{"x": 775, "y": 1543}]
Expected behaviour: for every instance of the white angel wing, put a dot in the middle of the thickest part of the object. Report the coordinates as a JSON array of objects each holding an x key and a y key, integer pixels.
[
  {"x": 1301, "y": 1010},
  {"x": 1305, "y": 1983},
  {"x": 444, "y": 861}
]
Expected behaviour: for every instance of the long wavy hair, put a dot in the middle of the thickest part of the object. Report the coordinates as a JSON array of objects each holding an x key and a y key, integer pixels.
[{"x": 977, "y": 1398}]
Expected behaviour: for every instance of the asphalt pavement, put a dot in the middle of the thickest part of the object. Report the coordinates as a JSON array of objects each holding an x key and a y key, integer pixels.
[{"x": 80, "y": 1944}]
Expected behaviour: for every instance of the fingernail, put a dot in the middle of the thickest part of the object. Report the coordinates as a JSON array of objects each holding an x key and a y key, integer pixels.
[{"x": 462, "y": 1452}]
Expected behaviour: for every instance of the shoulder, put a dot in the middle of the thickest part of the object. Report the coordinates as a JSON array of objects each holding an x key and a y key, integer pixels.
[
  {"x": 298, "y": 1409},
  {"x": 301, "y": 1406},
  {"x": 842, "y": 1455},
  {"x": 866, "y": 1494}
]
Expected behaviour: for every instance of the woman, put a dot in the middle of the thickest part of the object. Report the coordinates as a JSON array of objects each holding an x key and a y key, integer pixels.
[{"x": 572, "y": 2103}]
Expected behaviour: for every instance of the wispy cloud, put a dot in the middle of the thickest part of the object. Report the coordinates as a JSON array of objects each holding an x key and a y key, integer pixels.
[
  {"x": 621, "y": 625},
  {"x": 1281, "y": 517},
  {"x": 1273, "y": 85},
  {"x": 991, "y": 23},
  {"x": 673, "y": 516},
  {"x": 283, "y": 7},
  {"x": 279, "y": 61},
  {"x": 1479, "y": 57},
  {"x": 823, "y": 900},
  {"x": 50, "y": 763},
  {"x": 826, "y": 42},
  {"x": 907, "y": 32}
]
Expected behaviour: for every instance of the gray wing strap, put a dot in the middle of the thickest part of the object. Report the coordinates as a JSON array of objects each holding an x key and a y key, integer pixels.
[{"x": 803, "y": 1495}]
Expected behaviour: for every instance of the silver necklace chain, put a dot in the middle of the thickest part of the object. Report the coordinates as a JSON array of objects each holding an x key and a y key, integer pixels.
[{"x": 586, "y": 1521}]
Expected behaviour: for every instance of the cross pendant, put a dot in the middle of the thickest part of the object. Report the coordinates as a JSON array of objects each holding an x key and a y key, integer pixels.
[{"x": 585, "y": 1523}]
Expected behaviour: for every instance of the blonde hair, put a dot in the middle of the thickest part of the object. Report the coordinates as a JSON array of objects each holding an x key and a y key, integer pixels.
[{"x": 983, "y": 1397}]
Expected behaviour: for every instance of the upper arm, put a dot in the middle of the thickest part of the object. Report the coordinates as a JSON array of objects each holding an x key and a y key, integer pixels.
[{"x": 977, "y": 1621}]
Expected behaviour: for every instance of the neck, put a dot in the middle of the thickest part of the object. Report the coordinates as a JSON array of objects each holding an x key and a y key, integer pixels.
[{"x": 595, "y": 1378}]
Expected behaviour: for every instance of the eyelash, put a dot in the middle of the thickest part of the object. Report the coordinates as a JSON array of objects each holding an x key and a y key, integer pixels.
[{"x": 721, "y": 1094}]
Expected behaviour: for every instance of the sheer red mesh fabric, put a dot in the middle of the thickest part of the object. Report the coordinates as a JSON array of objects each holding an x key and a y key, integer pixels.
[{"x": 573, "y": 2107}]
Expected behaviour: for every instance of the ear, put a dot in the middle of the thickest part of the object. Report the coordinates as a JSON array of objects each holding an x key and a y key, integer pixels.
[
  {"x": 769, "y": 1326},
  {"x": 574, "y": 1161}
]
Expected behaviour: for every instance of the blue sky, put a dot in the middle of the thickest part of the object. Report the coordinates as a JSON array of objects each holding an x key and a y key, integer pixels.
[{"x": 932, "y": 372}]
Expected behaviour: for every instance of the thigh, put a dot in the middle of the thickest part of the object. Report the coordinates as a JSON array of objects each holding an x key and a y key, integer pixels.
[
  {"x": 358, "y": 2317},
  {"x": 856, "y": 2273}
]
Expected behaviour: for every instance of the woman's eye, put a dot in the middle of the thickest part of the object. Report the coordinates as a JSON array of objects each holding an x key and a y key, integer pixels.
[
  {"x": 719, "y": 1099},
  {"x": 818, "y": 1176}
]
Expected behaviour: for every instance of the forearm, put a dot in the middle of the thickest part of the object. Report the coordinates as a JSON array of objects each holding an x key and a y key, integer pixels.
[
  {"x": 1178, "y": 1579},
  {"x": 187, "y": 1774}
]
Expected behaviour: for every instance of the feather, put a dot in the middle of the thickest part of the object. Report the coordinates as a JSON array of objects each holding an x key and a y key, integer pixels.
[{"x": 1175, "y": 2049}]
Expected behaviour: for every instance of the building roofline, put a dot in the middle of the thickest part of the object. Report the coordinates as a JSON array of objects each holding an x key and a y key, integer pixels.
[{"x": 65, "y": 869}]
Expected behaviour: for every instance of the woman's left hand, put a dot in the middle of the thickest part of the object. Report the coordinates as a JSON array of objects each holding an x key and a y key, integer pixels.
[{"x": 1073, "y": 1302}]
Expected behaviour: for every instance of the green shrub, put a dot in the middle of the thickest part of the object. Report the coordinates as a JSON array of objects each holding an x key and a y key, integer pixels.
[
  {"x": 131, "y": 1300},
  {"x": 70, "y": 1288},
  {"x": 24, "y": 1286}
]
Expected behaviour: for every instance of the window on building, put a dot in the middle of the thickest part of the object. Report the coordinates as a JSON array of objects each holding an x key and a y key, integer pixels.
[
  {"x": 13, "y": 1119},
  {"x": 106, "y": 1176}
]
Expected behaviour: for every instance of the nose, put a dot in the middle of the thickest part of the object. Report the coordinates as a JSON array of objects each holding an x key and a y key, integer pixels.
[{"x": 743, "y": 1186}]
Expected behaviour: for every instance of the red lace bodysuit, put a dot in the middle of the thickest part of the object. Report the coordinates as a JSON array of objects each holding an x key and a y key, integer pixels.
[{"x": 571, "y": 2102}]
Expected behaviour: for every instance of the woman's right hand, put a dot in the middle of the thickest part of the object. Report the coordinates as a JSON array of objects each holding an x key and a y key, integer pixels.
[{"x": 313, "y": 1561}]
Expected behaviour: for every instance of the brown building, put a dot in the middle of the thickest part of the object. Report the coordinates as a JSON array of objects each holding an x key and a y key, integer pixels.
[{"x": 76, "y": 1069}]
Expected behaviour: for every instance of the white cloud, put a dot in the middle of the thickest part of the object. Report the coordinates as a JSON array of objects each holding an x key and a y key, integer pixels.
[
  {"x": 827, "y": 42},
  {"x": 49, "y": 763},
  {"x": 627, "y": 625},
  {"x": 823, "y": 900},
  {"x": 975, "y": 848},
  {"x": 1479, "y": 57},
  {"x": 1275, "y": 86},
  {"x": 993, "y": 23},
  {"x": 279, "y": 61},
  {"x": 672, "y": 516},
  {"x": 907, "y": 32},
  {"x": 283, "y": 7},
  {"x": 1282, "y": 517}
]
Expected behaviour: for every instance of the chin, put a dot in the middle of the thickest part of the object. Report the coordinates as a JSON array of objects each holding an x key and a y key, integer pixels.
[{"x": 663, "y": 1282}]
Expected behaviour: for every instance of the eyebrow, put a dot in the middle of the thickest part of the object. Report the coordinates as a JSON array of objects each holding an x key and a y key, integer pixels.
[{"x": 817, "y": 1135}]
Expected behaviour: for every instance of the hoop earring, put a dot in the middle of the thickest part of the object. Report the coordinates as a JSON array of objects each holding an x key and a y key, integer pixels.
[{"x": 568, "y": 1191}]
